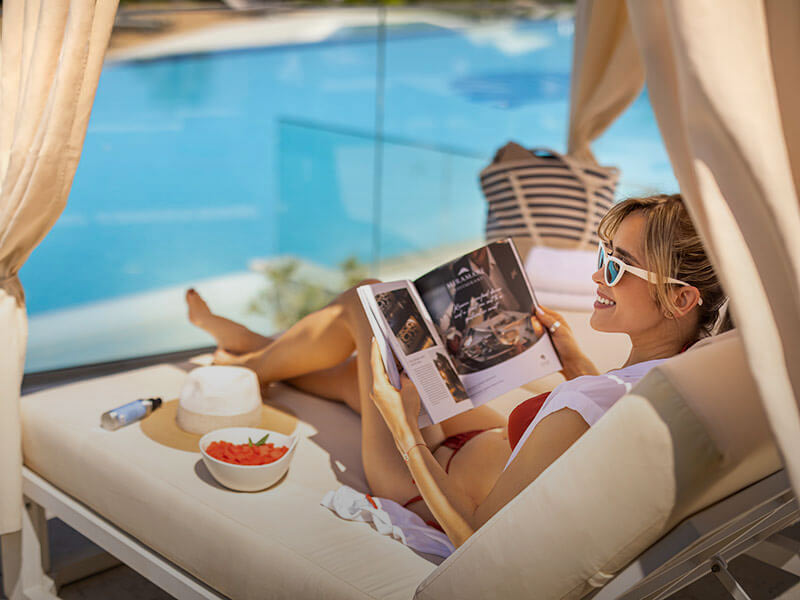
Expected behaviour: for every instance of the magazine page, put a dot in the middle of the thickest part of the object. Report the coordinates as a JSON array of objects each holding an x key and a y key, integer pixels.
[
  {"x": 481, "y": 305},
  {"x": 414, "y": 341},
  {"x": 382, "y": 334}
]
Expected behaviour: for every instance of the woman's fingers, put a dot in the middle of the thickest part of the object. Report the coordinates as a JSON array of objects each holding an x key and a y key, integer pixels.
[
  {"x": 549, "y": 319},
  {"x": 538, "y": 328},
  {"x": 405, "y": 382},
  {"x": 546, "y": 318},
  {"x": 380, "y": 380},
  {"x": 387, "y": 399},
  {"x": 378, "y": 371},
  {"x": 407, "y": 387},
  {"x": 550, "y": 311}
]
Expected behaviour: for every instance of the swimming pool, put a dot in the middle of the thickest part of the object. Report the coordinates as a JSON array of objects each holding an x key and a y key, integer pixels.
[{"x": 193, "y": 165}]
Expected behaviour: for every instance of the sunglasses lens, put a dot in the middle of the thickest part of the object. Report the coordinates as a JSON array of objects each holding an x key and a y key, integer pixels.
[
  {"x": 600, "y": 256},
  {"x": 612, "y": 272}
]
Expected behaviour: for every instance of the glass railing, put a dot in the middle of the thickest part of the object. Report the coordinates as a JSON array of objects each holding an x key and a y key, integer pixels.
[{"x": 269, "y": 160}]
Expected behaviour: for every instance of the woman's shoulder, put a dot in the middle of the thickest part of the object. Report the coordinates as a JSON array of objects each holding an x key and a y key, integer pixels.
[
  {"x": 623, "y": 377},
  {"x": 636, "y": 370},
  {"x": 590, "y": 396}
]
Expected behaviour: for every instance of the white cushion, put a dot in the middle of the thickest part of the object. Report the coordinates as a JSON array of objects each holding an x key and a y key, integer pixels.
[
  {"x": 561, "y": 270},
  {"x": 679, "y": 442},
  {"x": 653, "y": 459},
  {"x": 277, "y": 543}
]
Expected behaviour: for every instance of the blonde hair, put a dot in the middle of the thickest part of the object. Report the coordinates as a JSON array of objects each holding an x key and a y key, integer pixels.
[{"x": 673, "y": 248}]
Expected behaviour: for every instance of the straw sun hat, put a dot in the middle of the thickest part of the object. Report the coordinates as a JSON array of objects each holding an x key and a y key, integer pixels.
[{"x": 213, "y": 398}]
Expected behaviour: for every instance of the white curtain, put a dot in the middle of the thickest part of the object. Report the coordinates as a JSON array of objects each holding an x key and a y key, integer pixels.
[
  {"x": 607, "y": 73},
  {"x": 723, "y": 83},
  {"x": 52, "y": 55}
]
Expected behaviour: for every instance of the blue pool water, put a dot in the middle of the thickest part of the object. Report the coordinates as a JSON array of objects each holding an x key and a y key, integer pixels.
[{"x": 194, "y": 165}]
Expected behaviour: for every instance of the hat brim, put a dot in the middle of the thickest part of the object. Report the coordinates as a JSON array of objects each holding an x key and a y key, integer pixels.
[{"x": 161, "y": 426}]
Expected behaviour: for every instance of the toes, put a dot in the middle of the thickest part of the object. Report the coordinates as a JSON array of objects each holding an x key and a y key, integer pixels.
[
  {"x": 195, "y": 300},
  {"x": 198, "y": 310}
]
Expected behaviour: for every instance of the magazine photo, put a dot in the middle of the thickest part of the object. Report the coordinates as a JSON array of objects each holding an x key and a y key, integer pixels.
[
  {"x": 484, "y": 317},
  {"x": 405, "y": 320},
  {"x": 462, "y": 332}
]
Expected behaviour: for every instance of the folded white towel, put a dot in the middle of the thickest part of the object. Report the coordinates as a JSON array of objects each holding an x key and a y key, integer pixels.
[
  {"x": 559, "y": 302},
  {"x": 390, "y": 519},
  {"x": 562, "y": 271}
]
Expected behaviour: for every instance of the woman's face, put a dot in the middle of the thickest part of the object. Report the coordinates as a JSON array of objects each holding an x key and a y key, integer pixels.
[{"x": 631, "y": 309}]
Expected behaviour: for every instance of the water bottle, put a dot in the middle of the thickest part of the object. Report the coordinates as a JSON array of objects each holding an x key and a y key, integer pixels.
[{"x": 129, "y": 413}]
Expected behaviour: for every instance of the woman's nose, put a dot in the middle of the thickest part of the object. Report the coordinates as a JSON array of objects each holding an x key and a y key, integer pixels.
[{"x": 597, "y": 277}]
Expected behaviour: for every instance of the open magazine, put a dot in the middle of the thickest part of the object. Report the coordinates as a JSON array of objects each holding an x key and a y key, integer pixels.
[{"x": 461, "y": 332}]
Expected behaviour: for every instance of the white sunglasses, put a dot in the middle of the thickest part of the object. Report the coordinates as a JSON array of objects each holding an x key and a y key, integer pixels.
[{"x": 613, "y": 270}]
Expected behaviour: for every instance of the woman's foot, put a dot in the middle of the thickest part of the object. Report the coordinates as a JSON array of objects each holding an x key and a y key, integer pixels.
[
  {"x": 232, "y": 338},
  {"x": 199, "y": 313}
]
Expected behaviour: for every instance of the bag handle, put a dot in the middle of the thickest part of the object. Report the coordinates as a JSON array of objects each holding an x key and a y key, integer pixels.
[
  {"x": 591, "y": 201},
  {"x": 566, "y": 159}
]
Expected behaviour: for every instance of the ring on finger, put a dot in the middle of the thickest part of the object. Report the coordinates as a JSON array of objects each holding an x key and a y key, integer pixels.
[{"x": 555, "y": 326}]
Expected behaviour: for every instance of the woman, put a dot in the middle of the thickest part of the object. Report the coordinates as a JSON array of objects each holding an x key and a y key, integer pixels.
[{"x": 655, "y": 284}]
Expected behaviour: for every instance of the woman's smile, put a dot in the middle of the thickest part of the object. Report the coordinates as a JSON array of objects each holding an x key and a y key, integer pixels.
[{"x": 603, "y": 301}]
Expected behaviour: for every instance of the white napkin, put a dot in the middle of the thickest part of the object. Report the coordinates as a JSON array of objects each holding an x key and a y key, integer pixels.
[{"x": 390, "y": 519}]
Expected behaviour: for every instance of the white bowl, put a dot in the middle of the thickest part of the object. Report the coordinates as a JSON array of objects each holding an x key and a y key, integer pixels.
[{"x": 247, "y": 478}]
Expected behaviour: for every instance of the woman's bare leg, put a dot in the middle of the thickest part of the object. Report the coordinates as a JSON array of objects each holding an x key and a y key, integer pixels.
[
  {"x": 339, "y": 383},
  {"x": 229, "y": 335},
  {"x": 324, "y": 340},
  {"x": 385, "y": 469},
  {"x": 482, "y": 417},
  {"x": 316, "y": 355}
]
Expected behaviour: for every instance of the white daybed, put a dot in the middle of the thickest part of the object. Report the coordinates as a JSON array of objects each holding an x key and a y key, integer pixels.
[{"x": 683, "y": 441}]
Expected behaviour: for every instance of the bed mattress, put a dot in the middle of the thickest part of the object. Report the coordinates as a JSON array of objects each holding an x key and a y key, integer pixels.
[{"x": 276, "y": 543}]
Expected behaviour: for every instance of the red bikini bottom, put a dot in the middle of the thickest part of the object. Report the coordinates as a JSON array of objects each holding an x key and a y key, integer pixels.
[
  {"x": 456, "y": 442},
  {"x": 518, "y": 422}
]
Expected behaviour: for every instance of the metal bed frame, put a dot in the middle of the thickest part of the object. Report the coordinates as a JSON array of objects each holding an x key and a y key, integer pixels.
[{"x": 747, "y": 522}]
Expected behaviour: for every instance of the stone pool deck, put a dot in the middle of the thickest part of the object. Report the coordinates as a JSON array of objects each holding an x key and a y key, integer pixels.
[{"x": 193, "y": 32}]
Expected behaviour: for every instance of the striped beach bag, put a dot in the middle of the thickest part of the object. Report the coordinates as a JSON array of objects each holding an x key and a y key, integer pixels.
[{"x": 542, "y": 198}]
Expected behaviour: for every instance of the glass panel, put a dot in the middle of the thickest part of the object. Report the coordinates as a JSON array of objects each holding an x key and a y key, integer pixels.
[
  {"x": 191, "y": 175},
  {"x": 270, "y": 160}
]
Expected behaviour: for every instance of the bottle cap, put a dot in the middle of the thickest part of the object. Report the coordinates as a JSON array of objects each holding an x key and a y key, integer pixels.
[{"x": 156, "y": 402}]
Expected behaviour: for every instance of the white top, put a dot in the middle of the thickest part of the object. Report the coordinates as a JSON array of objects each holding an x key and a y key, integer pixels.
[{"x": 589, "y": 395}]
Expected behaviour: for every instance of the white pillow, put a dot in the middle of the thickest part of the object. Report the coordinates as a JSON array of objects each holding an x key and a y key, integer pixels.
[{"x": 562, "y": 278}]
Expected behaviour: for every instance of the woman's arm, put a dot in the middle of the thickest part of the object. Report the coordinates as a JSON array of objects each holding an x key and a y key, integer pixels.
[
  {"x": 400, "y": 410},
  {"x": 453, "y": 508}
]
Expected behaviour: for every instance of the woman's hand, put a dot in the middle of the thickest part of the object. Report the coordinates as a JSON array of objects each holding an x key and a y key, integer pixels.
[
  {"x": 575, "y": 363},
  {"x": 399, "y": 408}
]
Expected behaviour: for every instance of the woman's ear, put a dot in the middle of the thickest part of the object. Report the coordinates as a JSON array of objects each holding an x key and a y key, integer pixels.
[{"x": 686, "y": 298}]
